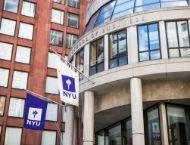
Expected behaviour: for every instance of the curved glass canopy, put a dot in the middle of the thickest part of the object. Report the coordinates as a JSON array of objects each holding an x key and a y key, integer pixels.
[{"x": 118, "y": 8}]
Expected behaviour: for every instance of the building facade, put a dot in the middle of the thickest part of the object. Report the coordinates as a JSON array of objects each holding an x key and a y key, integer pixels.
[
  {"x": 136, "y": 54},
  {"x": 29, "y": 30}
]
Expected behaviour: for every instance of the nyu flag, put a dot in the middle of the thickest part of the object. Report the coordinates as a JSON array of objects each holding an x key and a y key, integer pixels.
[
  {"x": 68, "y": 84},
  {"x": 34, "y": 112}
]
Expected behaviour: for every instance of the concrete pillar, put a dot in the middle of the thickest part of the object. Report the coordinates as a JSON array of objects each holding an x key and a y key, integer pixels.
[
  {"x": 132, "y": 45},
  {"x": 86, "y": 59},
  {"x": 106, "y": 52},
  {"x": 88, "y": 119},
  {"x": 69, "y": 125},
  {"x": 163, "y": 124},
  {"x": 137, "y": 112},
  {"x": 163, "y": 40}
]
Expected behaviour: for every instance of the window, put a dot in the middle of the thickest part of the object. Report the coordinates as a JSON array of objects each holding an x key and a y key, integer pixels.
[
  {"x": 23, "y": 54},
  {"x": 173, "y": 3},
  {"x": 178, "y": 39},
  {"x": 142, "y": 5},
  {"x": 57, "y": 16},
  {"x": 48, "y": 138},
  {"x": 5, "y": 51},
  {"x": 4, "y": 77},
  {"x": 128, "y": 126},
  {"x": 51, "y": 114},
  {"x": 73, "y": 3},
  {"x": 16, "y": 107},
  {"x": 56, "y": 38},
  {"x": 20, "y": 80},
  {"x": 53, "y": 60},
  {"x": 28, "y": 9},
  {"x": 13, "y": 136},
  {"x": 2, "y": 106},
  {"x": 73, "y": 20},
  {"x": 118, "y": 49},
  {"x": 92, "y": 22},
  {"x": 80, "y": 62},
  {"x": 149, "y": 43},
  {"x": 122, "y": 8},
  {"x": 52, "y": 85},
  {"x": 11, "y": 5},
  {"x": 115, "y": 135},
  {"x": 25, "y": 31},
  {"x": 177, "y": 125},
  {"x": 71, "y": 40},
  {"x": 152, "y": 127},
  {"x": 97, "y": 56},
  {"x": 105, "y": 13},
  {"x": 7, "y": 27},
  {"x": 59, "y": 1}
]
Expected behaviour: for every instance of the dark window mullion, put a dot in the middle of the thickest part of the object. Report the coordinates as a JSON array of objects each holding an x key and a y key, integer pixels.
[
  {"x": 178, "y": 38},
  {"x": 117, "y": 50},
  {"x": 148, "y": 42}
]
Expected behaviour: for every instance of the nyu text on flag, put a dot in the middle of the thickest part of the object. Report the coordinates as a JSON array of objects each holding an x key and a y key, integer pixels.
[
  {"x": 35, "y": 112},
  {"x": 68, "y": 81}
]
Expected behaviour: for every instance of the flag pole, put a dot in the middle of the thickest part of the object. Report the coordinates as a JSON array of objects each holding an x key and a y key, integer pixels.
[
  {"x": 45, "y": 98},
  {"x": 76, "y": 69}
]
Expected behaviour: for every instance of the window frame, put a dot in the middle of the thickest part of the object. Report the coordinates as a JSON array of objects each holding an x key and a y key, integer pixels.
[
  {"x": 53, "y": 44},
  {"x": 148, "y": 36},
  {"x": 68, "y": 20},
  {"x": 11, "y": 11},
  {"x": 29, "y": 56},
  {"x": 118, "y": 54},
  {"x": 15, "y": 27},
  {"x": 33, "y": 28},
  {"x": 23, "y": 107},
  {"x": 11, "y": 51},
  {"x": 3, "y": 107},
  {"x": 96, "y": 65},
  {"x": 26, "y": 82},
  {"x": 35, "y": 5},
  {"x": 77, "y": 7},
  {"x": 14, "y": 128},
  {"x": 8, "y": 77},
  {"x": 178, "y": 48},
  {"x": 59, "y": 11}
]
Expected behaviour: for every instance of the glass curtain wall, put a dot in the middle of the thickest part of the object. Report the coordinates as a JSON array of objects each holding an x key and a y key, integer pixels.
[{"x": 80, "y": 62}]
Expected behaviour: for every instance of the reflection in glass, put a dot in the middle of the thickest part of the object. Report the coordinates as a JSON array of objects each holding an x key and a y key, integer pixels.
[
  {"x": 80, "y": 62},
  {"x": 152, "y": 125},
  {"x": 56, "y": 38},
  {"x": 183, "y": 34},
  {"x": 115, "y": 135},
  {"x": 143, "y": 38},
  {"x": 177, "y": 125},
  {"x": 2, "y": 105},
  {"x": 178, "y": 39},
  {"x": 97, "y": 56},
  {"x": 11, "y": 5},
  {"x": 28, "y": 9},
  {"x": 105, "y": 13},
  {"x": 149, "y": 42},
  {"x": 128, "y": 132},
  {"x": 118, "y": 49}
]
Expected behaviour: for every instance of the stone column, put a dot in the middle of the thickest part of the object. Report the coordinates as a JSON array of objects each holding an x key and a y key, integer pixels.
[
  {"x": 163, "y": 124},
  {"x": 137, "y": 112},
  {"x": 163, "y": 40},
  {"x": 69, "y": 125},
  {"x": 88, "y": 119},
  {"x": 106, "y": 52}
]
